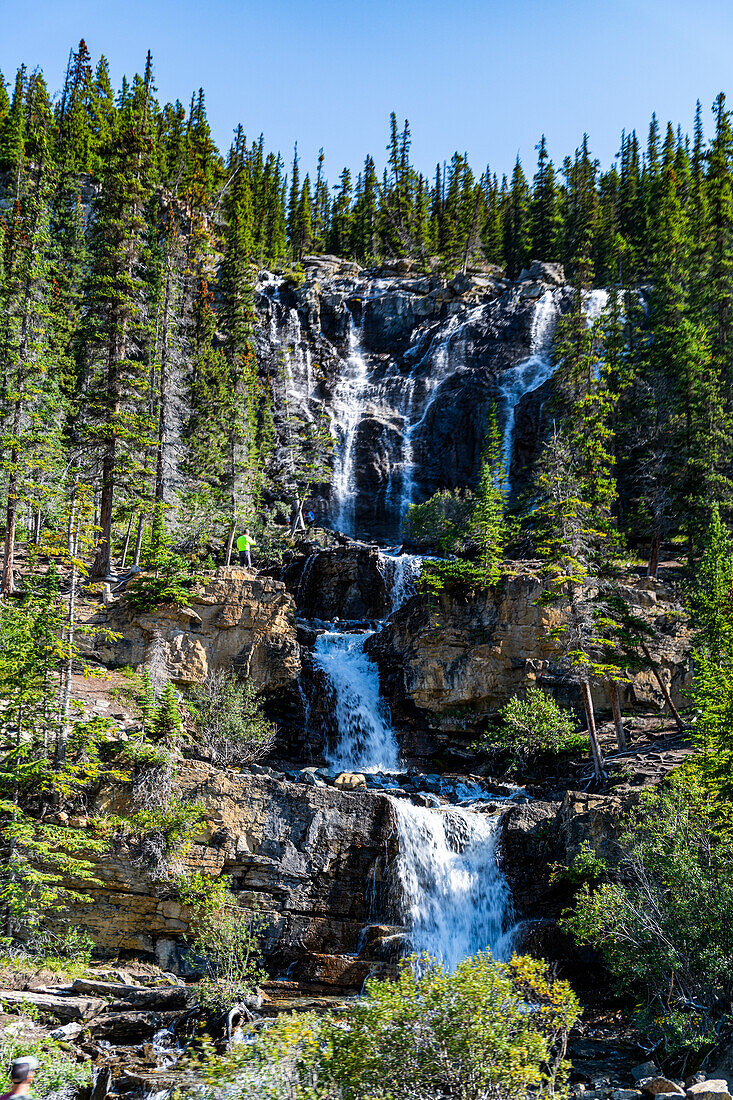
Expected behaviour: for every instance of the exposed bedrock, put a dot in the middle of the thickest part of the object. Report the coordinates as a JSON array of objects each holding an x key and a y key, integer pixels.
[
  {"x": 447, "y": 664},
  {"x": 309, "y": 859},
  {"x": 405, "y": 366},
  {"x": 235, "y": 619}
]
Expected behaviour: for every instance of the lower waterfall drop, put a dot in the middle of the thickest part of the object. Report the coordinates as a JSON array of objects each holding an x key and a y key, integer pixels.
[
  {"x": 366, "y": 741},
  {"x": 454, "y": 899}
]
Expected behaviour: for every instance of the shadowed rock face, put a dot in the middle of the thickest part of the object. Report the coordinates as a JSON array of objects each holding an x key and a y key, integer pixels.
[{"x": 434, "y": 352}]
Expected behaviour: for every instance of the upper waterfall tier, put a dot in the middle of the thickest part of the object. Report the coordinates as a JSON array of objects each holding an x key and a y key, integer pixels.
[{"x": 405, "y": 369}]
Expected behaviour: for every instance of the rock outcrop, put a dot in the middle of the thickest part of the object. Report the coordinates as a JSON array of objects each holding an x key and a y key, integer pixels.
[
  {"x": 235, "y": 619},
  {"x": 433, "y": 352},
  {"x": 447, "y": 664},
  {"x": 309, "y": 859}
]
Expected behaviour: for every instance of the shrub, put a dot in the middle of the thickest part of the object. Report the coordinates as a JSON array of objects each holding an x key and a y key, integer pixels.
[
  {"x": 487, "y": 1029},
  {"x": 60, "y": 1075},
  {"x": 453, "y": 574},
  {"x": 230, "y": 725},
  {"x": 662, "y": 918},
  {"x": 170, "y": 583},
  {"x": 440, "y": 523},
  {"x": 227, "y": 939},
  {"x": 534, "y": 724}
]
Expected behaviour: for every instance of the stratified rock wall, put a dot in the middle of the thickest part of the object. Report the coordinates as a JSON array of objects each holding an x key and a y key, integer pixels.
[
  {"x": 450, "y": 662},
  {"x": 309, "y": 859}
]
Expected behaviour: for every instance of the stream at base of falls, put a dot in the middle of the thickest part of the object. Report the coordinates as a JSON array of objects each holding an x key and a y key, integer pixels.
[{"x": 448, "y": 889}]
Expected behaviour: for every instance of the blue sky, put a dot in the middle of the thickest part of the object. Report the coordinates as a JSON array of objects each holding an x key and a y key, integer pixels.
[{"x": 484, "y": 76}]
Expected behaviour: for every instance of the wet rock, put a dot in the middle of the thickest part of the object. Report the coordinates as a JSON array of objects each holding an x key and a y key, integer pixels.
[{"x": 130, "y": 1027}]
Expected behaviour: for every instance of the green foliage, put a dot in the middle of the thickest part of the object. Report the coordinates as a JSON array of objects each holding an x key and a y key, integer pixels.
[
  {"x": 170, "y": 583},
  {"x": 440, "y": 523},
  {"x": 487, "y": 527},
  {"x": 231, "y": 727},
  {"x": 662, "y": 920},
  {"x": 452, "y": 575},
  {"x": 60, "y": 1073},
  {"x": 228, "y": 940},
  {"x": 487, "y": 1028},
  {"x": 532, "y": 725}
]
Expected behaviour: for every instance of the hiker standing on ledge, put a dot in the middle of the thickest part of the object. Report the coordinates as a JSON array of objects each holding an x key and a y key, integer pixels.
[{"x": 245, "y": 543}]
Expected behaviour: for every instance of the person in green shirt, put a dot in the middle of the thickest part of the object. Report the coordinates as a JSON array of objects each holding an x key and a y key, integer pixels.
[{"x": 245, "y": 543}]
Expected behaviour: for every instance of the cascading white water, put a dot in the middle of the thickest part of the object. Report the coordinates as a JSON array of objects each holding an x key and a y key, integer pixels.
[
  {"x": 453, "y": 897},
  {"x": 367, "y": 742},
  {"x": 348, "y": 403},
  {"x": 528, "y": 375},
  {"x": 401, "y": 571},
  {"x": 533, "y": 372}
]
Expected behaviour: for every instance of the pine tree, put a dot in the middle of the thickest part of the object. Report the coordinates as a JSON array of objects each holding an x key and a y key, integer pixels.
[
  {"x": 517, "y": 240},
  {"x": 544, "y": 214},
  {"x": 487, "y": 527},
  {"x": 115, "y": 330}
]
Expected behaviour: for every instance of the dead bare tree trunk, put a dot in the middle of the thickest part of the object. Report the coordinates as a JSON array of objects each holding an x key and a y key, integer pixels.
[
  {"x": 617, "y": 719},
  {"x": 595, "y": 747},
  {"x": 138, "y": 540},
  {"x": 664, "y": 689},
  {"x": 230, "y": 543}
]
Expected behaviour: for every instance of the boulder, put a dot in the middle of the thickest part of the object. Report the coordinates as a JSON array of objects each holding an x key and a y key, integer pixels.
[
  {"x": 660, "y": 1086},
  {"x": 349, "y": 781},
  {"x": 709, "y": 1090}
]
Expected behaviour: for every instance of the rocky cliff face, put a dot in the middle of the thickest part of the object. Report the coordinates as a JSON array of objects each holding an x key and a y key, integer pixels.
[
  {"x": 405, "y": 366},
  {"x": 309, "y": 859},
  {"x": 448, "y": 664},
  {"x": 236, "y": 619}
]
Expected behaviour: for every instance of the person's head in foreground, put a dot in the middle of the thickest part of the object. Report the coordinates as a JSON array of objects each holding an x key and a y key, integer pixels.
[{"x": 22, "y": 1072}]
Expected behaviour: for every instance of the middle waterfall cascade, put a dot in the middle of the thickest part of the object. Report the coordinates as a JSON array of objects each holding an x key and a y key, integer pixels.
[
  {"x": 367, "y": 742},
  {"x": 454, "y": 898}
]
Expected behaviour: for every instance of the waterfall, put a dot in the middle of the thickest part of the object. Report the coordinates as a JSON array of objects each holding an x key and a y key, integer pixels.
[
  {"x": 366, "y": 740},
  {"x": 528, "y": 375},
  {"x": 348, "y": 406},
  {"x": 401, "y": 572},
  {"x": 538, "y": 367},
  {"x": 453, "y": 897}
]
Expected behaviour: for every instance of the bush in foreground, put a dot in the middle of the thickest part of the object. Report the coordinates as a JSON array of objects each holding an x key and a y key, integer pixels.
[
  {"x": 662, "y": 920},
  {"x": 486, "y": 1030}
]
